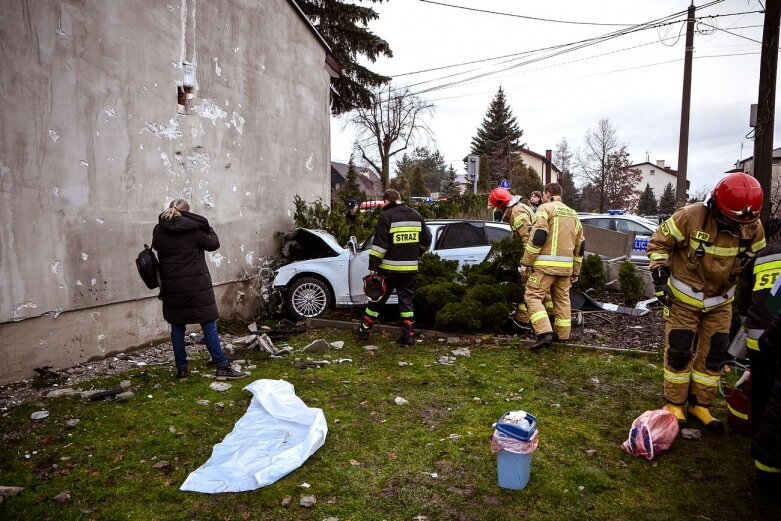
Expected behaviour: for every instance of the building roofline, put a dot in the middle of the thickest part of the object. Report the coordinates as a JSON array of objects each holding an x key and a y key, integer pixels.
[
  {"x": 333, "y": 66},
  {"x": 667, "y": 169},
  {"x": 540, "y": 156}
]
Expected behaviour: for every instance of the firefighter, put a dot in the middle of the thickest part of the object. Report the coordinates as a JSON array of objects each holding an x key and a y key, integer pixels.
[
  {"x": 519, "y": 216},
  {"x": 696, "y": 256},
  {"x": 754, "y": 288},
  {"x": 766, "y": 443},
  {"x": 400, "y": 238},
  {"x": 553, "y": 257}
]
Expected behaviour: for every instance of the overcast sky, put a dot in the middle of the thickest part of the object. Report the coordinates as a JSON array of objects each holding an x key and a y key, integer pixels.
[{"x": 563, "y": 96}]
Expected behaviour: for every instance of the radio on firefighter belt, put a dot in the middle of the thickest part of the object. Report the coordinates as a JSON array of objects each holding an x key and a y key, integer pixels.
[{"x": 374, "y": 287}]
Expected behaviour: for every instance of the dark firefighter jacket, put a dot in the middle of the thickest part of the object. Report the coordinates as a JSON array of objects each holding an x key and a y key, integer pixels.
[
  {"x": 766, "y": 447},
  {"x": 186, "y": 285},
  {"x": 400, "y": 238},
  {"x": 754, "y": 288}
]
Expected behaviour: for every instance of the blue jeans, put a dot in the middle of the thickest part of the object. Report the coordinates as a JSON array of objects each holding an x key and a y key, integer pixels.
[{"x": 209, "y": 336}]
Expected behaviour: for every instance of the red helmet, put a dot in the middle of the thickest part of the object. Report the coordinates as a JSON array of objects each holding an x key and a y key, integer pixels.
[
  {"x": 499, "y": 198},
  {"x": 374, "y": 287},
  {"x": 739, "y": 197}
]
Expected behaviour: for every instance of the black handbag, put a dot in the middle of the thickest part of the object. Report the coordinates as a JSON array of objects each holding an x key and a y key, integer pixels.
[{"x": 148, "y": 268}]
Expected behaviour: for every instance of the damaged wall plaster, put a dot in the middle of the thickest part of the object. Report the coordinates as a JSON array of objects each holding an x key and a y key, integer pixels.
[{"x": 82, "y": 182}]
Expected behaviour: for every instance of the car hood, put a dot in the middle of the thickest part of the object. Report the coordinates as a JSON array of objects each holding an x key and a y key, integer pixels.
[{"x": 303, "y": 244}]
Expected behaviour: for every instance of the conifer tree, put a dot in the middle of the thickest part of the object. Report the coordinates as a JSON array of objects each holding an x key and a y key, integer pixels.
[
  {"x": 351, "y": 188},
  {"x": 448, "y": 181},
  {"x": 667, "y": 201},
  {"x": 344, "y": 27},
  {"x": 647, "y": 204},
  {"x": 417, "y": 185},
  {"x": 498, "y": 137}
]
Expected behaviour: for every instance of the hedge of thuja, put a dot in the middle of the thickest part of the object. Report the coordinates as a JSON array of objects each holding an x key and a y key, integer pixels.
[
  {"x": 592, "y": 276},
  {"x": 479, "y": 298},
  {"x": 631, "y": 283}
]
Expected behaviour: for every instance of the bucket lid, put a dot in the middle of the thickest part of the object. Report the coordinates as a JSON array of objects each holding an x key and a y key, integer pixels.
[{"x": 515, "y": 430}]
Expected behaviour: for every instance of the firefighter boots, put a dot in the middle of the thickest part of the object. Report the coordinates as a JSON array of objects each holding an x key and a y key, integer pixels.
[
  {"x": 363, "y": 332},
  {"x": 678, "y": 411},
  {"x": 407, "y": 337},
  {"x": 544, "y": 340},
  {"x": 704, "y": 416}
]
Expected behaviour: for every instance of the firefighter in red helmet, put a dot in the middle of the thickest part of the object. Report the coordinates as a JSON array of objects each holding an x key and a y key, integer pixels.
[
  {"x": 696, "y": 257},
  {"x": 520, "y": 217}
]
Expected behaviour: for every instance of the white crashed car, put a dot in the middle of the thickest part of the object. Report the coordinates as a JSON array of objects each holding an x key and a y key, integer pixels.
[{"x": 325, "y": 274}]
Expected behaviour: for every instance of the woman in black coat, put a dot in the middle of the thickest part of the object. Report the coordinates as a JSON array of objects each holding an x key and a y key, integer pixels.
[{"x": 180, "y": 238}]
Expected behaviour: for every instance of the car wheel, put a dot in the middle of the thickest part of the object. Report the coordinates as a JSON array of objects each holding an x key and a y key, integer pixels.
[{"x": 308, "y": 298}]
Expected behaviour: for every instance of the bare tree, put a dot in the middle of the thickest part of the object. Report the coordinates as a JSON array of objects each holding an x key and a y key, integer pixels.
[
  {"x": 594, "y": 159},
  {"x": 388, "y": 125},
  {"x": 621, "y": 181},
  {"x": 700, "y": 193},
  {"x": 775, "y": 196}
]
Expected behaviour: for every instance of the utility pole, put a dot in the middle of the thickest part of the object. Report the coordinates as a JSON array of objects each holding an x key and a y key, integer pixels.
[
  {"x": 683, "y": 142},
  {"x": 766, "y": 104}
]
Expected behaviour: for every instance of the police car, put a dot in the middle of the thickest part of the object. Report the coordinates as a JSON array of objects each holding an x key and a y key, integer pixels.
[
  {"x": 324, "y": 274},
  {"x": 618, "y": 221}
]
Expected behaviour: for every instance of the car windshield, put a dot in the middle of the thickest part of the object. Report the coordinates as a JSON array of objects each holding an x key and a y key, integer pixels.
[{"x": 627, "y": 226}]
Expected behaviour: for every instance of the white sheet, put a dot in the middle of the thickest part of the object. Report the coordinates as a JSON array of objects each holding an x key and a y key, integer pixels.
[{"x": 274, "y": 437}]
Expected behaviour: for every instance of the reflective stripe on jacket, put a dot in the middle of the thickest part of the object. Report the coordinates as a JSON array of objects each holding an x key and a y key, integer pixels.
[
  {"x": 704, "y": 257},
  {"x": 562, "y": 253},
  {"x": 400, "y": 238},
  {"x": 755, "y": 284},
  {"x": 520, "y": 217}
]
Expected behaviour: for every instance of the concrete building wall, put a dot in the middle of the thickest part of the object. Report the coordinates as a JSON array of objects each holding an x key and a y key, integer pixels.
[{"x": 92, "y": 147}]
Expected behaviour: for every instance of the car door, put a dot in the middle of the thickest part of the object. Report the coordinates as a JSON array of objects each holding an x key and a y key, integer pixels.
[
  {"x": 642, "y": 236},
  {"x": 359, "y": 268},
  {"x": 465, "y": 242}
]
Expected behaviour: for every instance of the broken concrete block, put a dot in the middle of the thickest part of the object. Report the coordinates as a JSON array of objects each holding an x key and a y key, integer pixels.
[
  {"x": 72, "y": 423},
  {"x": 160, "y": 464},
  {"x": 453, "y": 340},
  {"x": 400, "y": 401},
  {"x": 220, "y": 387},
  {"x": 245, "y": 340},
  {"x": 124, "y": 385},
  {"x": 39, "y": 415},
  {"x": 253, "y": 327},
  {"x": 121, "y": 397},
  {"x": 63, "y": 497},
  {"x": 203, "y": 402},
  {"x": 59, "y": 393},
  {"x": 307, "y": 501},
  {"x": 265, "y": 343},
  {"x": 10, "y": 491},
  {"x": 88, "y": 394},
  {"x": 338, "y": 344},
  {"x": 461, "y": 351},
  {"x": 691, "y": 434},
  {"x": 318, "y": 346},
  {"x": 286, "y": 501}
]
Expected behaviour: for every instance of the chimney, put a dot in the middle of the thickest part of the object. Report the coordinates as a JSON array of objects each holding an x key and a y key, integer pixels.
[
  {"x": 548, "y": 163},
  {"x": 661, "y": 163}
]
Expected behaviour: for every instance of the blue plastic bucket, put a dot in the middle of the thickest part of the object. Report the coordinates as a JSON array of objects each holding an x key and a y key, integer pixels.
[{"x": 514, "y": 470}]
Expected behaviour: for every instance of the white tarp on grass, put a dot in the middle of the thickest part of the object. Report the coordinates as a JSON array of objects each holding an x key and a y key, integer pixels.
[{"x": 275, "y": 436}]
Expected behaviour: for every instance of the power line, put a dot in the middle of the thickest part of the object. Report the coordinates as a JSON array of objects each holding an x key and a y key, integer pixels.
[
  {"x": 574, "y": 47},
  {"x": 552, "y": 47},
  {"x": 526, "y": 17}
]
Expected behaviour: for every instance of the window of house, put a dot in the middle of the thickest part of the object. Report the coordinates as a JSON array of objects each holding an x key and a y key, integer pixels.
[{"x": 653, "y": 172}]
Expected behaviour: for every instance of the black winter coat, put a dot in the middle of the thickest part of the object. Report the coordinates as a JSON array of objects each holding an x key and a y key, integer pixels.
[{"x": 186, "y": 285}]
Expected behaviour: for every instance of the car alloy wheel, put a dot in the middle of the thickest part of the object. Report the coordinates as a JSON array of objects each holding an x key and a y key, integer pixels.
[{"x": 309, "y": 299}]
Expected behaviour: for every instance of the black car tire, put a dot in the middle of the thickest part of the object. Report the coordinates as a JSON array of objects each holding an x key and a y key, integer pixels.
[{"x": 307, "y": 297}]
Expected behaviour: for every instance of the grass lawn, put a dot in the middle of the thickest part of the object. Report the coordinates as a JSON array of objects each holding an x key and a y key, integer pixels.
[{"x": 379, "y": 457}]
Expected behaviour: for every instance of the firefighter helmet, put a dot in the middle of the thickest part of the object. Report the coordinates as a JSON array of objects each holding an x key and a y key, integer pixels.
[
  {"x": 738, "y": 197},
  {"x": 499, "y": 198},
  {"x": 374, "y": 287}
]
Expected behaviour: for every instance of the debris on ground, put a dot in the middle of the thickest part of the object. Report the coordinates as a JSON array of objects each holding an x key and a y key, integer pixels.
[
  {"x": 339, "y": 344},
  {"x": 72, "y": 422},
  {"x": 318, "y": 346},
  {"x": 59, "y": 393},
  {"x": 48, "y": 372},
  {"x": 9, "y": 491},
  {"x": 307, "y": 501},
  {"x": 63, "y": 497},
  {"x": 162, "y": 464},
  {"x": 121, "y": 397},
  {"x": 453, "y": 340},
  {"x": 370, "y": 348},
  {"x": 446, "y": 360},
  {"x": 220, "y": 387},
  {"x": 461, "y": 351},
  {"x": 286, "y": 501},
  {"x": 401, "y": 401},
  {"x": 691, "y": 434},
  {"x": 39, "y": 415},
  {"x": 125, "y": 385},
  {"x": 105, "y": 395},
  {"x": 203, "y": 402}
]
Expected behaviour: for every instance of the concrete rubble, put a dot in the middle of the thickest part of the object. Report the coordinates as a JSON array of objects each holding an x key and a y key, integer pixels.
[{"x": 307, "y": 501}]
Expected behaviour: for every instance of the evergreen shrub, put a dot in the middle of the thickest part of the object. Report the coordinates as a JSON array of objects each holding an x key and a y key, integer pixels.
[
  {"x": 631, "y": 282},
  {"x": 592, "y": 276}
]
